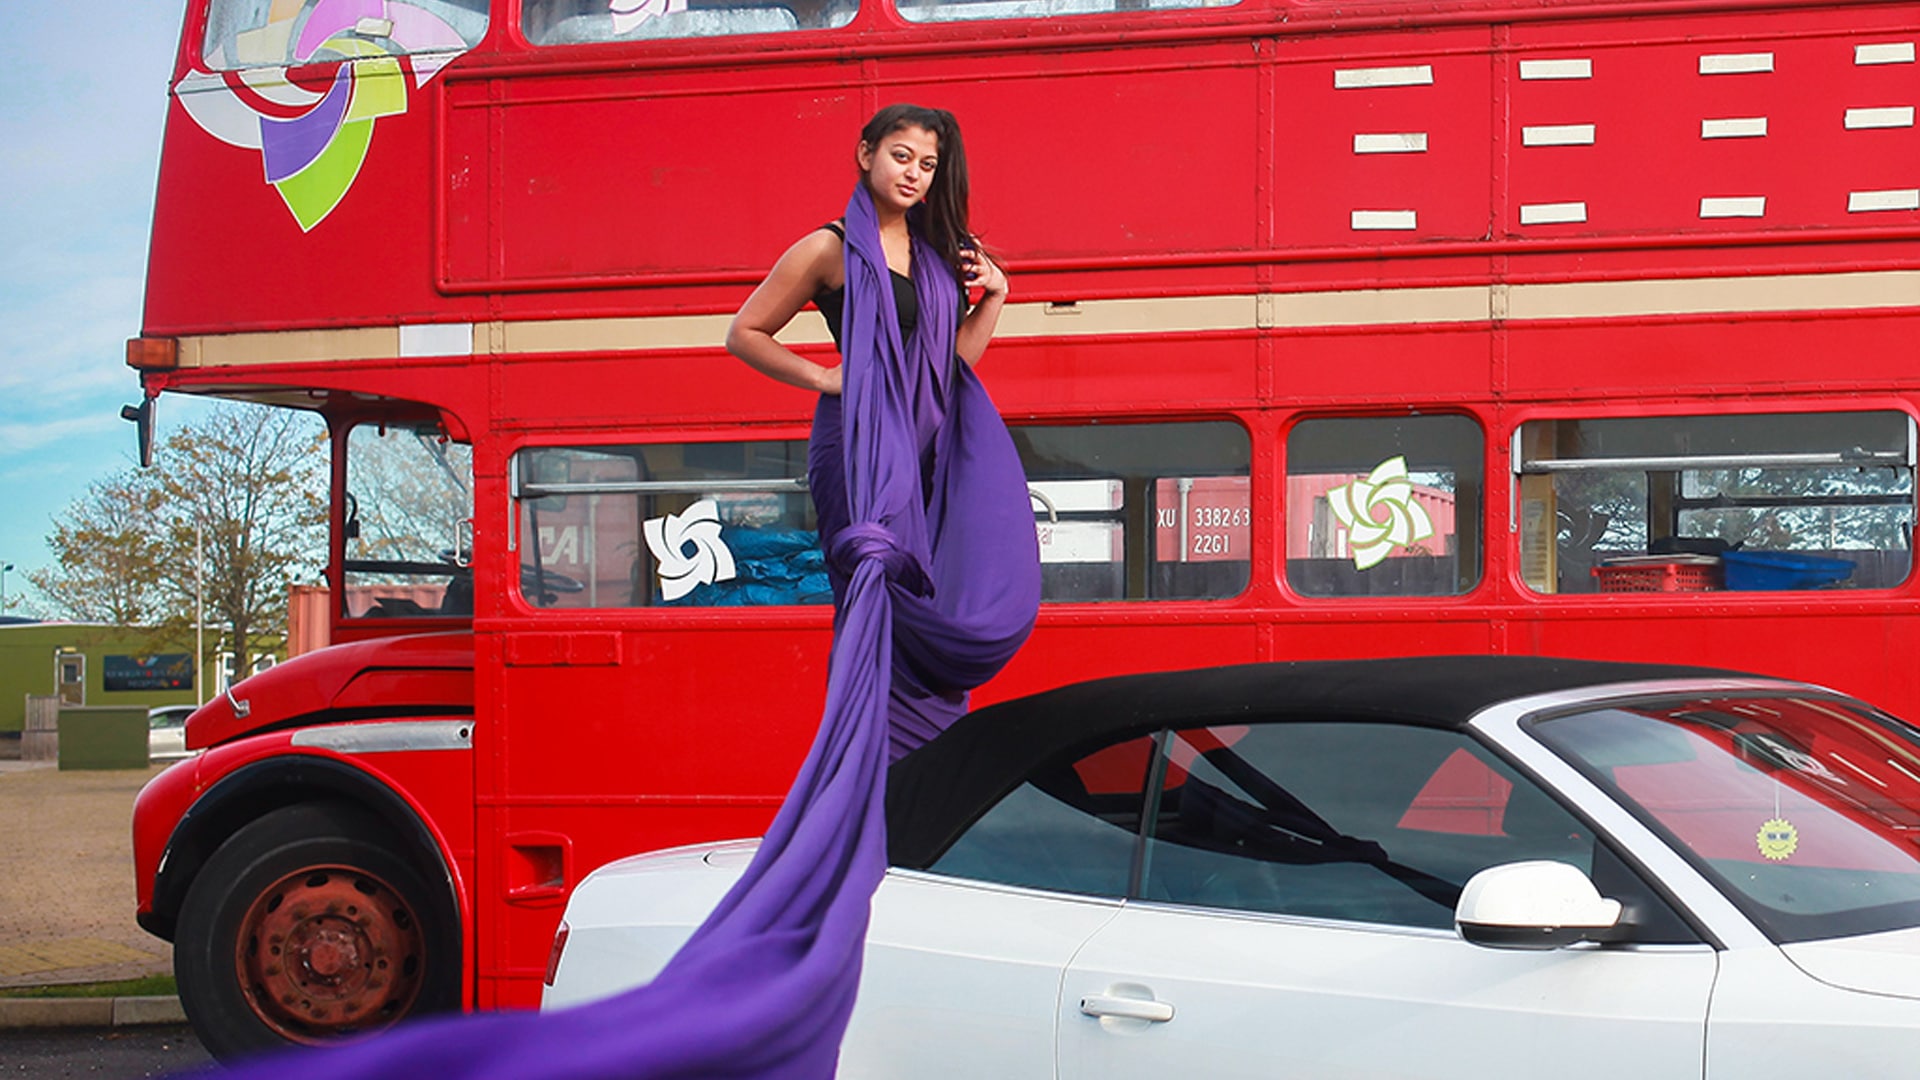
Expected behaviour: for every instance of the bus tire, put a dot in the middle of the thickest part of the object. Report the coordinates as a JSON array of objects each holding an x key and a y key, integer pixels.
[{"x": 308, "y": 926}]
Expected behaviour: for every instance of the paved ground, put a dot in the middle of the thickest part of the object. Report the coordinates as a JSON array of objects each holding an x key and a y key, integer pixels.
[
  {"x": 66, "y": 878},
  {"x": 113, "y": 1054}
]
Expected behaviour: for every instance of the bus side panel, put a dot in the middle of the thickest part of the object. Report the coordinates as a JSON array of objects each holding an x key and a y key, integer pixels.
[
  {"x": 1859, "y": 647},
  {"x": 1404, "y": 630},
  {"x": 227, "y": 255},
  {"x": 1061, "y": 651},
  {"x": 617, "y": 741},
  {"x": 1331, "y": 190},
  {"x": 1401, "y": 365},
  {"x": 1027, "y": 377},
  {"x": 1728, "y": 354},
  {"x": 1150, "y": 150},
  {"x": 674, "y": 711},
  {"x": 683, "y": 386},
  {"x": 668, "y": 166}
]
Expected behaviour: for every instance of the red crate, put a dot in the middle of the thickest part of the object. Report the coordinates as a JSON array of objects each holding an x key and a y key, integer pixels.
[{"x": 1663, "y": 575}]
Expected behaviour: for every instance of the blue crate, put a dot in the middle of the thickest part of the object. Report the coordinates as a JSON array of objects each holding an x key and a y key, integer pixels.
[{"x": 1758, "y": 570}]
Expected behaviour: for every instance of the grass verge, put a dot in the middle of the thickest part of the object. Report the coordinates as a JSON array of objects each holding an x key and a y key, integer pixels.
[{"x": 146, "y": 986}]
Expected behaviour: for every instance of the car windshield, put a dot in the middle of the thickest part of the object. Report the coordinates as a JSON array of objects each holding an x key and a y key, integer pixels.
[{"x": 1804, "y": 810}]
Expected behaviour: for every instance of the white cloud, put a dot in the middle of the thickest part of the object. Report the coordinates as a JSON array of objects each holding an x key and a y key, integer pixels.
[
  {"x": 69, "y": 338},
  {"x": 59, "y": 382},
  {"x": 20, "y": 437},
  {"x": 81, "y": 113}
]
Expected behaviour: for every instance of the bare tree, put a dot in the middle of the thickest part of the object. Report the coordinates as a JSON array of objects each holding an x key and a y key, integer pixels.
[
  {"x": 413, "y": 490},
  {"x": 246, "y": 486},
  {"x": 250, "y": 482}
]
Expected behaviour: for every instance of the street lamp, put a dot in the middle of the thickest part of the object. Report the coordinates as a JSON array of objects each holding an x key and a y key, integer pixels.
[
  {"x": 199, "y": 612},
  {"x": 4, "y": 567}
]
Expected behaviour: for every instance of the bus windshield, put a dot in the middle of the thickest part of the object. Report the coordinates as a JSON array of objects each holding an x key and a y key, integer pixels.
[{"x": 409, "y": 523}]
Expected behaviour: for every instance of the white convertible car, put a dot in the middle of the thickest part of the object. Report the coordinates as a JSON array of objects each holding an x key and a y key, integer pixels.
[{"x": 1439, "y": 867}]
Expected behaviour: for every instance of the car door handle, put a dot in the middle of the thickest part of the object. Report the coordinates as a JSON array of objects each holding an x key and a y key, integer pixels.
[{"x": 1126, "y": 1008}]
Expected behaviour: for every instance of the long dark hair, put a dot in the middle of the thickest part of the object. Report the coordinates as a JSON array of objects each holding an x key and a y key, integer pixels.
[{"x": 942, "y": 216}]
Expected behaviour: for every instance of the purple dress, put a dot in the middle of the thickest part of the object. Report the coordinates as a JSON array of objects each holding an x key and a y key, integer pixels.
[{"x": 926, "y": 519}]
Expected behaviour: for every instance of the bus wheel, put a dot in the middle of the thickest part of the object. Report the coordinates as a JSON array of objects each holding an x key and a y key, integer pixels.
[{"x": 306, "y": 927}]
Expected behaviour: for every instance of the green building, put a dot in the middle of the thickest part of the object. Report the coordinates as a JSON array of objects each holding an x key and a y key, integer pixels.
[{"x": 87, "y": 664}]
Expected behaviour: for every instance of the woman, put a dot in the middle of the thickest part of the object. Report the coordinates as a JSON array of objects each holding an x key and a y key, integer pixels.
[
  {"x": 911, "y": 470},
  {"x": 909, "y": 157},
  {"x": 911, "y": 205},
  {"x": 924, "y": 514}
]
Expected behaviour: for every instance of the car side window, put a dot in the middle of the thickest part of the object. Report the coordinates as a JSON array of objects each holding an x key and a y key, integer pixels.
[
  {"x": 1370, "y": 822},
  {"x": 1073, "y": 828}
]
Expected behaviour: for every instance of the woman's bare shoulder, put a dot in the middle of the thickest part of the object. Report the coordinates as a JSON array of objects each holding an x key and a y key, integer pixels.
[
  {"x": 816, "y": 249},
  {"x": 820, "y": 254}
]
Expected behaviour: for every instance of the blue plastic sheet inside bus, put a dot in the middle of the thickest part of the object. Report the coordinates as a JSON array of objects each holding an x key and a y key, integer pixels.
[{"x": 771, "y": 566}]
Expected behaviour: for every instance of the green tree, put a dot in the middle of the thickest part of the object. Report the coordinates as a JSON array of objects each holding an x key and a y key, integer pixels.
[{"x": 109, "y": 553}]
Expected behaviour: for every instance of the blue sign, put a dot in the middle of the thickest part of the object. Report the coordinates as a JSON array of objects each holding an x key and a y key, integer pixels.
[{"x": 161, "y": 671}]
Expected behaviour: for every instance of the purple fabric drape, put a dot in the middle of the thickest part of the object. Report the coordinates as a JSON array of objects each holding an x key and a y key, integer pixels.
[{"x": 924, "y": 515}]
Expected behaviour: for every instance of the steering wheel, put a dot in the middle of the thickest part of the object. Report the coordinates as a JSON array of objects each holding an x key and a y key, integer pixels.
[{"x": 544, "y": 586}]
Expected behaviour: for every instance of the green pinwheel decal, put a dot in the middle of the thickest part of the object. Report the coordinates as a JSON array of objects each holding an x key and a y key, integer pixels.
[{"x": 1380, "y": 513}]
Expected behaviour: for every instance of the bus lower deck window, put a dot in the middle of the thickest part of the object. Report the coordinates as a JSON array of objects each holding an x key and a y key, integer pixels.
[
  {"x": 1743, "y": 502},
  {"x": 1384, "y": 506},
  {"x": 1121, "y": 512}
]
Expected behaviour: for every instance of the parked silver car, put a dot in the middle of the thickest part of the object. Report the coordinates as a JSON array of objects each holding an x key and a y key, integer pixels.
[
  {"x": 1433, "y": 869},
  {"x": 167, "y": 732}
]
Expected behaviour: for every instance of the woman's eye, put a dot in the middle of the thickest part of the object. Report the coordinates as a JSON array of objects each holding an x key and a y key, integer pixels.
[{"x": 928, "y": 166}]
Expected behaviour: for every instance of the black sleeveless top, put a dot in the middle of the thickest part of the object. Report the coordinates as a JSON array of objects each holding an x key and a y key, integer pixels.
[{"x": 832, "y": 302}]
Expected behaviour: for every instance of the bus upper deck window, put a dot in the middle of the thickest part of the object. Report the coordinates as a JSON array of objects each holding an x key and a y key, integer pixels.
[
  {"x": 577, "y": 22},
  {"x": 282, "y": 33},
  {"x": 925, "y": 11},
  {"x": 1384, "y": 506},
  {"x": 1694, "y": 503}
]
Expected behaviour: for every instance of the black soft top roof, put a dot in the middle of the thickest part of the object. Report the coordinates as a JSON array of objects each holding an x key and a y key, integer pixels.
[{"x": 934, "y": 793}]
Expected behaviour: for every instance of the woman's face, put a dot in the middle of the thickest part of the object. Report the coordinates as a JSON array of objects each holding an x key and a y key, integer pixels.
[{"x": 900, "y": 169}]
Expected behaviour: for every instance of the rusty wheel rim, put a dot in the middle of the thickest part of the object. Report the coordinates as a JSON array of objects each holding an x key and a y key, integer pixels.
[{"x": 328, "y": 951}]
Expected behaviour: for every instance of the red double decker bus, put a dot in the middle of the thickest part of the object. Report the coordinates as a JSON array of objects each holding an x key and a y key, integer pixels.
[{"x": 1338, "y": 329}]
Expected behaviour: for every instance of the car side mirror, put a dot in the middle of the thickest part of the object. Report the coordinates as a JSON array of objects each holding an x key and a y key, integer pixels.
[{"x": 1533, "y": 905}]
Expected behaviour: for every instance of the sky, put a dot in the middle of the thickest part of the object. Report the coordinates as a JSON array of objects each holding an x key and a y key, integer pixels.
[{"x": 81, "y": 111}]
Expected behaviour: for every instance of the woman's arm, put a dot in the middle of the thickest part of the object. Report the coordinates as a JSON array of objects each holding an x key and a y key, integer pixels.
[
  {"x": 791, "y": 285},
  {"x": 977, "y": 329}
]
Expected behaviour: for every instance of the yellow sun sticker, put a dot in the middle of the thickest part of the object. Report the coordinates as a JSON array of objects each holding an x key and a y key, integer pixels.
[{"x": 1777, "y": 839}]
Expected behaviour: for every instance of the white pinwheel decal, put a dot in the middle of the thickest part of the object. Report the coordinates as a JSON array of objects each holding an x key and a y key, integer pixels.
[
  {"x": 1380, "y": 513},
  {"x": 628, "y": 14},
  {"x": 689, "y": 550}
]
